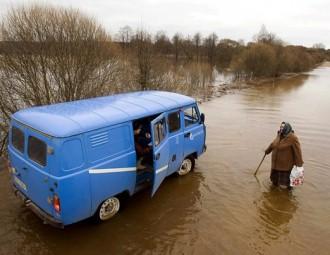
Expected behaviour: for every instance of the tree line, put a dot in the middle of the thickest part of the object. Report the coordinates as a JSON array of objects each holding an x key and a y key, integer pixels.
[
  {"x": 266, "y": 56},
  {"x": 53, "y": 54}
]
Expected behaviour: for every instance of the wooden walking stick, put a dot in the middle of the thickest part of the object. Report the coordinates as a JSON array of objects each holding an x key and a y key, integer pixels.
[{"x": 255, "y": 173}]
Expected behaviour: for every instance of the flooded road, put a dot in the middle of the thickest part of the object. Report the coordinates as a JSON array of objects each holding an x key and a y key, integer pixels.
[{"x": 221, "y": 208}]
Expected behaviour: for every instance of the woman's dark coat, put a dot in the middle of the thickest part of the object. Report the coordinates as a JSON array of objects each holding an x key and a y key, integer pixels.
[{"x": 286, "y": 152}]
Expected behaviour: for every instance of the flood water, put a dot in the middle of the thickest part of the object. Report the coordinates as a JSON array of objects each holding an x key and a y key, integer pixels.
[{"x": 220, "y": 208}]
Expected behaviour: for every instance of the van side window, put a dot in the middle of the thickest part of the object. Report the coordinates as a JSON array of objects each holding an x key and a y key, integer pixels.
[
  {"x": 159, "y": 131},
  {"x": 17, "y": 139},
  {"x": 190, "y": 116},
  {"x": 72, "y": 155},
  {"x": 174, "y": 121},
  {"x": 37, "y": 150}
]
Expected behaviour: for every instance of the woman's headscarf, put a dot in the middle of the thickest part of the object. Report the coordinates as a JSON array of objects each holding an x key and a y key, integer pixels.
[{"x": 287, "y": 129}]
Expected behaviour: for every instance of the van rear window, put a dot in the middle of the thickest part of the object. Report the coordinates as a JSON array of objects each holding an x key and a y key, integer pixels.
[
  {"x": 17, "y": 139},
  {"x": 37, "y": 150}
]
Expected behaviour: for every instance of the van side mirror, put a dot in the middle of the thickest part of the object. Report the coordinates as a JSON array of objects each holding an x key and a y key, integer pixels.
[{"x": 202, "y": 118}]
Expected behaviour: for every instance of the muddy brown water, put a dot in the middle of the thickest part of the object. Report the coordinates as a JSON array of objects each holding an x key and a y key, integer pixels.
[{"x": 220, "y": 208}]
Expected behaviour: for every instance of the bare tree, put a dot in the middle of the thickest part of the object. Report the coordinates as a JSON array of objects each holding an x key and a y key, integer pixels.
[
  {"x": 319, "y": 46},
  {"x": 197, "y": 41},
  {"x": 263, "y": 36},
  {"x": 210, "y": 47},
  {"x": 260, "y": 60},
  {"x": 188, "y": 48},
  {"x": 125, "y": 35},
  {"x": 225, "y": 51},
  {"x": 162, "y": 43},
  {"x": 52, "y": 55},
  {"x": 177, "y": 43},
  {"x": 144, "y": 52}
]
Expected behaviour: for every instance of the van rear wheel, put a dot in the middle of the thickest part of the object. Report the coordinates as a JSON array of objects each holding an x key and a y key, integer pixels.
[
  {"x": 108, "y": 209},
  {"x": 187, "y": 165}
]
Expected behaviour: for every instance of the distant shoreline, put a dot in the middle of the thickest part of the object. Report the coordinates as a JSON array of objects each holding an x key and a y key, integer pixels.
[{"x": 228, "y": 88}]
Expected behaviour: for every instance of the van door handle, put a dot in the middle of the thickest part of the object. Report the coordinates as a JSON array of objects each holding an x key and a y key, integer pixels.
[
  {"x": 24, "y": 168},
  {"x": 187, "y": 135},
  {"x": 173, "y": 157},
  {"x": 157, "y": 156}
]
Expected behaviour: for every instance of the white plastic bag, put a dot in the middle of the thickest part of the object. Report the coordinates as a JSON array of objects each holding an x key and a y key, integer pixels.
[{"x": 296, "y": 176}]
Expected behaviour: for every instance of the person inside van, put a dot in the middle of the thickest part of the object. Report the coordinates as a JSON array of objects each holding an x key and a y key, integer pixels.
[{"x": 142, "y": 140}]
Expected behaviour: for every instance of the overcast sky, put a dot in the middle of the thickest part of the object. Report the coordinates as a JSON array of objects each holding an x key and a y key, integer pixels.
[{"x": 303, "y": 22}]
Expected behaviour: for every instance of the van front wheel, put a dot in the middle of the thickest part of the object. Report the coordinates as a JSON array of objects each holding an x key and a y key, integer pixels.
[
  {"x": 187, "y": 165},
  {"x": 108, "y": 208}
]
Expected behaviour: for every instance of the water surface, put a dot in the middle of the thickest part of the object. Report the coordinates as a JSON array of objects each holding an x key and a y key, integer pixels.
[{"x": 220, "y": 208}]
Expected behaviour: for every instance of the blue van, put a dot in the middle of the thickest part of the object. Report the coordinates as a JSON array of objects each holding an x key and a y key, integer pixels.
[{"x": 74, "y": 160}]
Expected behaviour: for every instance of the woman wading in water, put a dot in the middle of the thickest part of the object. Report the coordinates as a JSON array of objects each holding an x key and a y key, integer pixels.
[{"x": 286, "y": 153}]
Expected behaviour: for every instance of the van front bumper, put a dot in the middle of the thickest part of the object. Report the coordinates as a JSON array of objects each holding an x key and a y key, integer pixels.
[{"x": 47, "y": 219}]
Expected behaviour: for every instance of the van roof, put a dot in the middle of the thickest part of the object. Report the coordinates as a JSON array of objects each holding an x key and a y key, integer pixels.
[{"x": 72, "y": 118}]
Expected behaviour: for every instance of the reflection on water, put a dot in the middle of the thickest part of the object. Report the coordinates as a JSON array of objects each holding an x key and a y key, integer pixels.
[
  {"x": 275, "y": 207},
  {"x": 220, "y": 208}
]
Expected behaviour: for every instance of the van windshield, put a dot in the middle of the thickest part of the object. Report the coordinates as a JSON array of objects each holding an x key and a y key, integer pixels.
[
  {"x": 190, "y": 116},
  {"x": 37, "y": 150}
]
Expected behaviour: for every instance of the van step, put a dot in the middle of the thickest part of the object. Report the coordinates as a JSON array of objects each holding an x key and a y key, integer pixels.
[
  {"x": 143, "y": 176},
  {"x": 142, "y": 186}
]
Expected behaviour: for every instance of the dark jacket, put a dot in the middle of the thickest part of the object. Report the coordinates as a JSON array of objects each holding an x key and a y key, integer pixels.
[{"x": 286, "y": 152}]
